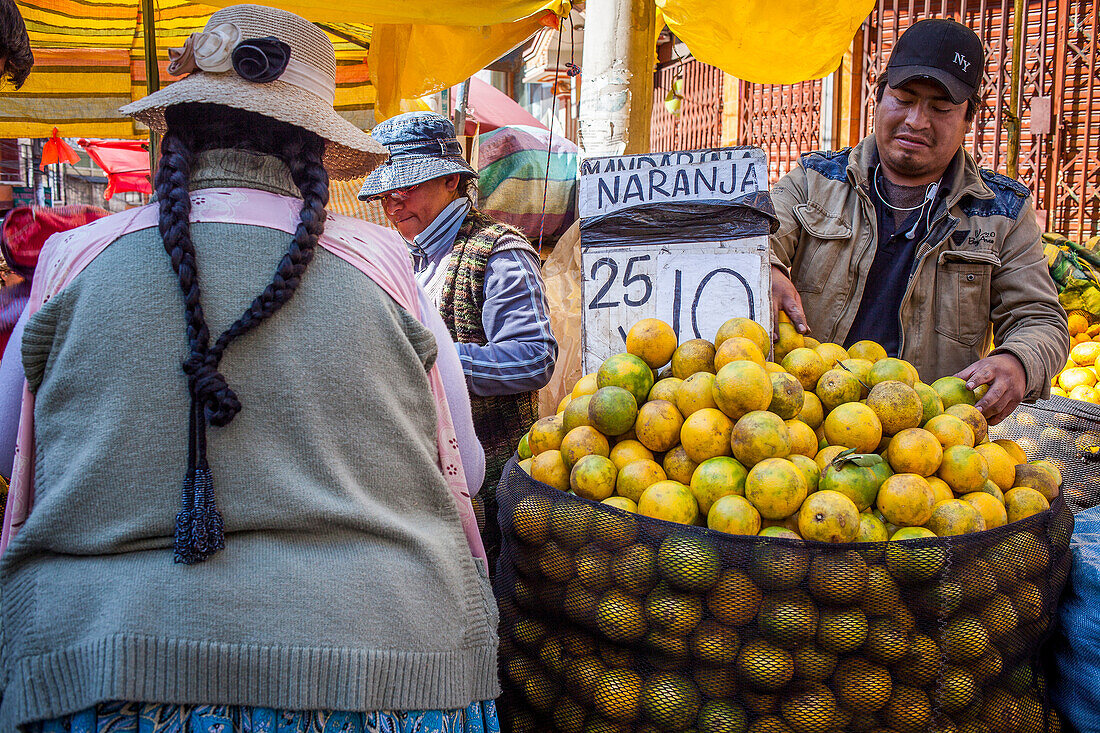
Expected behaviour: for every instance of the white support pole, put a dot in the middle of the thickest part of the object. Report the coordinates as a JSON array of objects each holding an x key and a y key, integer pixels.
[{"x": 617, "y": 93}]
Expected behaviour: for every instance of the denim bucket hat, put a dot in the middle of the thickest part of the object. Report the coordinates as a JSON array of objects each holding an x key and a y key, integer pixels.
[{"x": 422, "y": 146}]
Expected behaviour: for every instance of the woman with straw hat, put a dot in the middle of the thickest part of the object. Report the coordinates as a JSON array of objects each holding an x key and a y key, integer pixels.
[{"x": 320, "y": 567}]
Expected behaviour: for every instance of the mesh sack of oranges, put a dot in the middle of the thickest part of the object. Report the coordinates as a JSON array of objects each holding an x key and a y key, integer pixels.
[{"x": 702, "y": 539}]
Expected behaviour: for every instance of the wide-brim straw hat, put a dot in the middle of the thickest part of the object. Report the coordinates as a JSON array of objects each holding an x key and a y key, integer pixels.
[
  {"x": 301, "y": 95},
  {"x": 422, "y": 146}
]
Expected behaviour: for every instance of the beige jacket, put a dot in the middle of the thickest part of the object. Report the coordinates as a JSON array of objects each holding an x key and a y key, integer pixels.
[{"x": 979, "y": 276}]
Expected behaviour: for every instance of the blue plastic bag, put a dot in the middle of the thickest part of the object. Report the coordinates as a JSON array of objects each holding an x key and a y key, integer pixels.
[{"x": 1077, "y": 693}]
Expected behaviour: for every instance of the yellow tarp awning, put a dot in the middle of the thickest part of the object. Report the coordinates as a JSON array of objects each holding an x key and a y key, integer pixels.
[
  {"x": 764, "y": 41},
  {"x": 403, "y": 68},
  {"x": 420, "y": 47}
]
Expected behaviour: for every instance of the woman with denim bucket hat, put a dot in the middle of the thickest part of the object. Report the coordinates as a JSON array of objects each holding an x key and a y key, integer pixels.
[
  {"x": 483, "y": 275},
  {"x": 241, "y": 489}
]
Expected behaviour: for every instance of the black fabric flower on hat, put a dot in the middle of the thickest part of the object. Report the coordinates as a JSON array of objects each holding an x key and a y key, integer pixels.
[{"x": 261, "y": 60}]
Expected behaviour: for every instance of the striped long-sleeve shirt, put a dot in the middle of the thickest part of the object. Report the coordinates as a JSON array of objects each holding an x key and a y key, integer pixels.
[{"x": 520, "y": 353}]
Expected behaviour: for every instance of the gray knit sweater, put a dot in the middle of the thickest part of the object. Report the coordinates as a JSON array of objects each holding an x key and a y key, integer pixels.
[{"x": 346, "y": 582}]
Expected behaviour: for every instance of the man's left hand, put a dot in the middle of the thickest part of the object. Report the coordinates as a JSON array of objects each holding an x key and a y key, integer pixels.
[{"x": 1006, "y": 379}]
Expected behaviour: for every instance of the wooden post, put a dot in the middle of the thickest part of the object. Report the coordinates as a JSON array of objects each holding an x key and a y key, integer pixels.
[
  {"x": 731, "y": 110},
  {"x": 1013, "y": 123},
  {"x": 856, "y": 72},
  {"x": 460, "y": 108},
  {"x": 617, "y": 94},
  {"x": 152, "y": 75}
]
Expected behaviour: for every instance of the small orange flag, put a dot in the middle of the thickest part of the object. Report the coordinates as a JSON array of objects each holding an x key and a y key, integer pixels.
[
  {"x": 550, "y": 19},
  {"x": 57, "y": 150}
]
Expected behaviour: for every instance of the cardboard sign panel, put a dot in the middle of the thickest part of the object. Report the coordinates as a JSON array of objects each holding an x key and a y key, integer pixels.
[
  {"x": 722, "y": 174},
  {"x": 693, "y": 286}
]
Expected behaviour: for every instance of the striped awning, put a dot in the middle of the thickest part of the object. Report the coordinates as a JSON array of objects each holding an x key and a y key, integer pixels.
[
  {"x": 90, "y": 54},
  {"x": 90, "y": 60},
  {"x": 343, "y": 198}
]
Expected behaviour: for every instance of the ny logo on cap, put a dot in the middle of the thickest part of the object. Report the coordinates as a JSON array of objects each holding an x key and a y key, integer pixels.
[{"x": 961, "y": 61}]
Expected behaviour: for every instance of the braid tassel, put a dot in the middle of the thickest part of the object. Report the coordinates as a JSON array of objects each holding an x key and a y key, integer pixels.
[
  {"x": 183, "y": 543},
  {"x": 207, "y": 529},
  {"x": 200, "y": 531}
]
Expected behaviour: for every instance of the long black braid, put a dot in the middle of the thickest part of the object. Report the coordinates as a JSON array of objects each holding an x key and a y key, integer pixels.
[{"x": 193, "y": 128}]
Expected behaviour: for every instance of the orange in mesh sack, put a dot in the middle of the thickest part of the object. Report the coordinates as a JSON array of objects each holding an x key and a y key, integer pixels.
[{"x": 686, "y": 629}]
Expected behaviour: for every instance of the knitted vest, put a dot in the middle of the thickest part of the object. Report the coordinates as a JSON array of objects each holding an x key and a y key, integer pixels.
[{"x": 499, "y": 421}]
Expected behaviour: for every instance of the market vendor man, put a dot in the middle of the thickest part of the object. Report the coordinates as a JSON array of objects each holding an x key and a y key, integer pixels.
[
  {"x": 484, "y": 277},
  {"x": 905, "y": 241}
]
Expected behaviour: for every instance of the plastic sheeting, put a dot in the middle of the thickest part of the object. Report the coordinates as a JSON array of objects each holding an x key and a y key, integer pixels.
[
  {"x": 694, "y": 221},
  {"x": 763, "y": 41},
  {"x": 561, "y": 274},
  {"x": 409, "y": 61},
  {"x": 57, "y": 150},
  {"x": 1078, "y": 655}
]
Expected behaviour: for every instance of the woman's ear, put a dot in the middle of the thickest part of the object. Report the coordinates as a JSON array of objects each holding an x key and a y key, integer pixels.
[{"x": 452, "y": 181}]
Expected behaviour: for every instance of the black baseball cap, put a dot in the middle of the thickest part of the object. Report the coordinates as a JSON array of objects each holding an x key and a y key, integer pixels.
[{"x": 942, "y": 50}]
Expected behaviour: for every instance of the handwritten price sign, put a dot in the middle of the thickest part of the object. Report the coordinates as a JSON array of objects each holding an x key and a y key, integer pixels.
[{"x": 693, "y": 287}]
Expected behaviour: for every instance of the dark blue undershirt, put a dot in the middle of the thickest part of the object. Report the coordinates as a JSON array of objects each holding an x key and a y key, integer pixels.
[{"x": 877, "y": 317}]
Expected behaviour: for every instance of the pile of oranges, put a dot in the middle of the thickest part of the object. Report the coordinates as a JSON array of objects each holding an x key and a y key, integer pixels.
[
  {"x": 821, "y": 442},
  {"x": 1078, "y": 380}
]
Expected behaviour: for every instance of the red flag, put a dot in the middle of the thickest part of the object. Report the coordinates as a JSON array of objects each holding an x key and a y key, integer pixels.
[{"x": 57, "y": 150}]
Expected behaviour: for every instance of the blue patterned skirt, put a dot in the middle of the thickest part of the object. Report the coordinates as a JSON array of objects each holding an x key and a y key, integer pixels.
[{"x": 135, "y": 717}]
